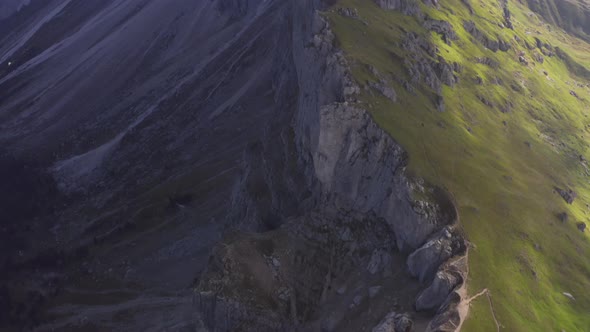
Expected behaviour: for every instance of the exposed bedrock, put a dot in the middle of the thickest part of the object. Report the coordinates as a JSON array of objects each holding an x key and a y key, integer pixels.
[{"x": 331, "y": 219}]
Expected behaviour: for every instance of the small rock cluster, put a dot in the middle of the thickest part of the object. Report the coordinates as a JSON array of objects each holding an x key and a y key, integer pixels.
[
  {"x": 407, "y": 7},
  {"x": 348, "y": 12},
  {"x": 568, "y": 194},
  {"x": 423, "y": 69},
  {"x": 443, "y": 28},
  {"x": 491, "y": 44}
]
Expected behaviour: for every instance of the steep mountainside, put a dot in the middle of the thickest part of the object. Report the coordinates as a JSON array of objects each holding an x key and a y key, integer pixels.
[
  {"x": 492, "y": 104},
  {"x": 294, "y": 165},
  {"x": 571, "y": 15}
]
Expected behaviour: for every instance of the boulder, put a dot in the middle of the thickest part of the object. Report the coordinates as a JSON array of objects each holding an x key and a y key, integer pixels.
[
  {"x": 424, "y": 262},
  {"x": 394, "y": 322},
  {"x": 384, "y": 89},
  {"x": 581, "y": 226},
  {"x": 436, "y": 294},
  {"x": 567, "y": 194},
  {"x": 447, "y": 318}
]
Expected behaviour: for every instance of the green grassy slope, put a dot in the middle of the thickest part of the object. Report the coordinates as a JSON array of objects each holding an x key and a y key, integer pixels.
[{"x": 501, "y": 167}]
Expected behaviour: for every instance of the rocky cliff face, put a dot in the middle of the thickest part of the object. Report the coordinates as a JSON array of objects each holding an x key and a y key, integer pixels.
[
  {"x": 166, "y": 133},
  {"x": 332, "y": 266}
]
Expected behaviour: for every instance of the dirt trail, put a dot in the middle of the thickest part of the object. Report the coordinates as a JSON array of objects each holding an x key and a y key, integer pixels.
[{"x": 466, "y": 303}]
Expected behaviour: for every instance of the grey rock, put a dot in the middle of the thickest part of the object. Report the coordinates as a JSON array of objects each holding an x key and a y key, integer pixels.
[
  {"x": 447, "y": 318},
  {"x": 569, "y": 296},
  {"x": 567, "y": 194},
  {"x": 422, "y": 68},
  {"x": 275, "y": 262},
  {"x": 424, "y": 262},
  {"x": 443, "y": 28},
  {"x": 384, "y": 88},
  {"x": 407, "y": 7},
  {"x": 507, "y": 15},
  {"x": 394, "y": 322},
  {"x": 445, "y": 72},
  {"x": 436, "y": 294},
  {"x": 467, "y": 4},
  {"x": 491, "y": 44},
  {"x": 503, "y": 45},
  {"x": 348, "y": 12},
  {"x": 581, "y": 226},
  {"x": 538, "y": 57},
  {"x": 485, "y": 101},
  {"x": 488, "y": 62}
]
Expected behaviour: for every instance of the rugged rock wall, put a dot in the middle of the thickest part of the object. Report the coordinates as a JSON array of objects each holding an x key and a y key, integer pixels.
[{"x": 353, "y": 176}]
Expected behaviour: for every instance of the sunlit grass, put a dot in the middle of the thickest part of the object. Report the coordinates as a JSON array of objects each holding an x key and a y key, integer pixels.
[{"x": 501, "y": 167}]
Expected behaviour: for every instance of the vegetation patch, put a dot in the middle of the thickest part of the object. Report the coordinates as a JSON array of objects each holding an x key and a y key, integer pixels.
[{"x": 513, "y": 127}]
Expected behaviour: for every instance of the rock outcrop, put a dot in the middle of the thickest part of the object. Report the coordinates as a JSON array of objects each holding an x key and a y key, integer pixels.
[
  {"x": 567, "y": 194},
  {"x": 443, "y": 28},
  {"x": 448, "y": 278},
  {"x": 492, "y": 44},
  {"x": 360, "y": 213},
  {"x": 407, "y": 7},
  {"x": 425, "y": 261},
  {"x": 394, "y": 322},
  {"x": 423, "y": 69}
]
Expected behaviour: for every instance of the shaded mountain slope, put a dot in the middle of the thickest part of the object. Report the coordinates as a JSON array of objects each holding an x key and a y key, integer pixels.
[{"x": 158, "y": 133}]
